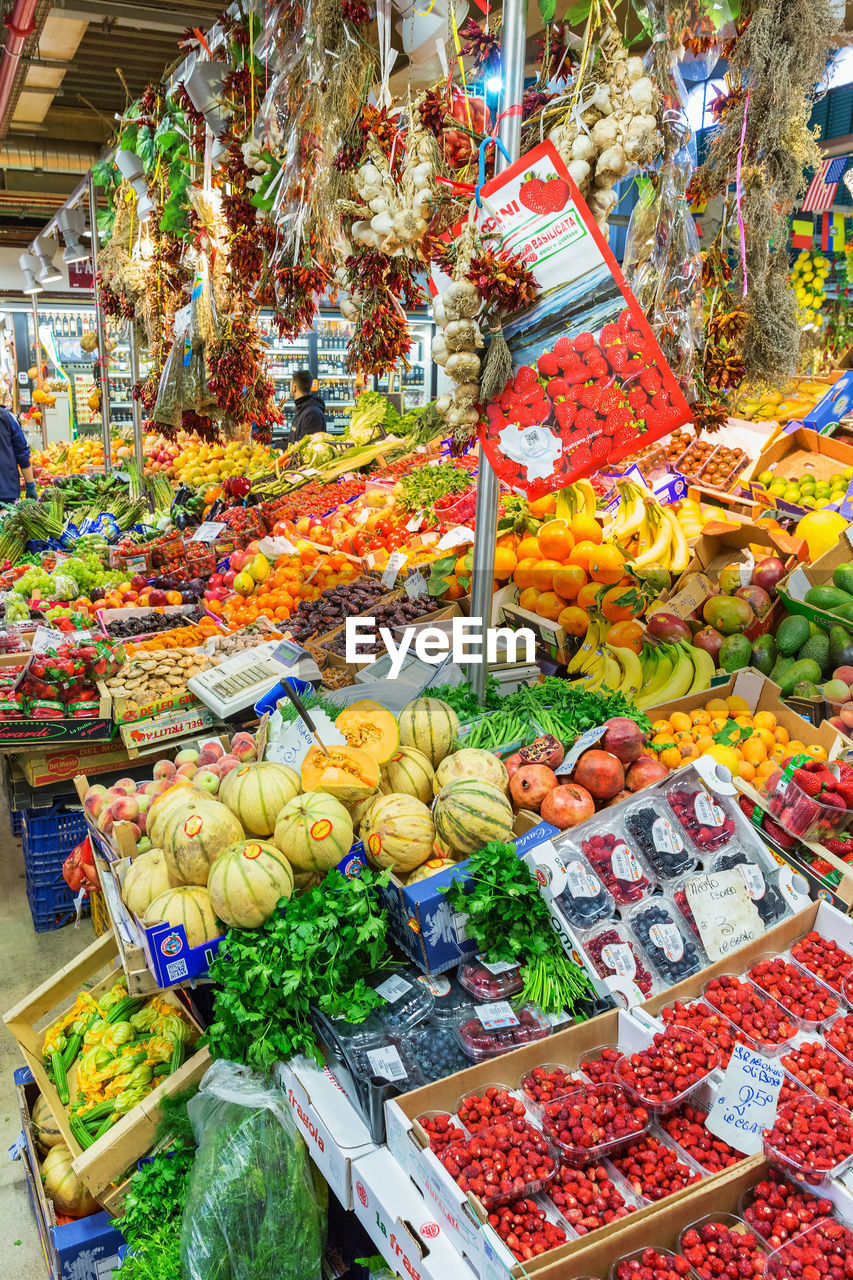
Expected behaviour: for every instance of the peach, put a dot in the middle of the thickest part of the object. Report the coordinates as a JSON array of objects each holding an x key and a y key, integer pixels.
[
  {"x": 127, "y": 785},
  {"x": 213, "y": 747},
  {"x": 208, "y": 779},
  {"x": 135, "y": 832},
  {"x": 164, "y": 769},
  {"x": 188, "y": 770},
  {"x": 846, "y": 713},
  {"x": 243, "y": 746},
  {"x": 105, "y": 822},
  {"x": 162, "y": 784},
  {"x": 838, "y": 723},
  {"x": 189, "y": 755},
  {"x": 125, "y": 810},
  {"x": 142, "y": 821},
  {"x": 227, "y": 763},
  {"x": 843, "y": 673},
  {"x": 206, "y": 758},
  {"x": 94, "y": 800}
]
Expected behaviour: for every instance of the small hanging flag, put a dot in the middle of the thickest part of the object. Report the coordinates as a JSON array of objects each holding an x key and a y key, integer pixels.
[
  {"x": 832, "y": 232},
  {"x": 802, "y": 233},
  {"x": 824, "y": 184}
]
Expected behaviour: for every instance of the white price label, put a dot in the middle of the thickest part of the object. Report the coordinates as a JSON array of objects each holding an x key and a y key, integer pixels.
[
  {"x": 386, "y": 1063},
  {"x": 494, "y": 1016},
  {"x": 362, "y": 517},
  {"x": 395, "y": 563},
  {"x": 393, "y": 988},
  {"x": 619, "y": 958},
  {"x": 497, "y": 966},
  {"x": 579, "y": 882},
  {"x": 725, "y": 914},
  {"x": 209, "y": 531},
  {"x": 293, "y": 741},
  {"x": 668, "y": 940},
  {"x": 747, "y": 1099},
  {"x": 754, "y": 880},
  {"x": 624, "y": 865},
  {"x": 587, "y": 739},
  {"x": 415, "y": 523},
  {"x": 709, "y": 813},
  {"x": 46, "y": 638},
  {"x": 457, "y": 537},
  {"x": 665, "y": 836},
  {"x": 415, "y": 585}
]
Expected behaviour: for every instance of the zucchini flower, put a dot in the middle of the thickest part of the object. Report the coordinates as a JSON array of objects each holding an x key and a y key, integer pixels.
[
  {"x": 159, "y": 1049},
  {"x": 173, "y": 1028},
  {"x": 143, "y": 1020},
  {"x": 95, "y": 1032},
  {"x": 115, "y": 1037},
  {"x": 119, "y": 992},
  {"x": 128, "y": 1098}
]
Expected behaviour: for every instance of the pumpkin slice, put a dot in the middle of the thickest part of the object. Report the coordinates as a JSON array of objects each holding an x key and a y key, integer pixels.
[
  {"x": 369, "y": 727},
  {"x": 346, "y": 773}
]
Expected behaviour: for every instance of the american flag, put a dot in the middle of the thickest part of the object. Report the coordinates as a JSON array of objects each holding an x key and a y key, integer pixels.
[{"x": 824, "y": 184}]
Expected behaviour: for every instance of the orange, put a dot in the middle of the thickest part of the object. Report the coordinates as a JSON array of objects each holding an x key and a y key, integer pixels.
[
  {"x": 765, "y": 736},
  {"x": 587, "y": 597},
  {"x": 555, "y": 539},
  {"x": 796, "y": 748},
  {"x": 737, "y": 706},
  {"x": 745, "y": 722},
  {"x": 549, "y": 605},
  {"x": 582, "y": 553},
  {"x": 528, "y": 598},
  {"x": 508, "y": 540},
  {"x": 614, "y": 608},
  {"x": 689, "y": 751},
  {"x": 754, "y": 751},
  {"x": 543, "y": 574},
  {"x": 546, "y": 506},
  {"x": 606, "y": 564},
  {"x": 661, "y": 726},
  {"x": 683, "y": 735},
  {"x": 671, "y": 757},
  {"x": 766, "y": 767},
  {"x": 528, "y": 546},
  {"x": 573, "y": 620},
  {"x": 454, "y": 588},
  {"x": 704, "y": 744},
  {"x": 586, "y": 529},
  {"x": 700, "y": 716},
  {"x": 781, "y": 752},
  {"x": 718, "y": 723},
  {"x": 780, "y": 733},
  {"x": 717, "y": 707},
  {"x": 505, "y": 562},
  {"x": 680, "y": 721},
  {"x": 663, "y": 739},
  {"x": 746, "y": 771},
  {"x": 522, "y": 574},
  {"x": 764, "y": 720},
  {"x": 569, "y": 580},
  {"x": 627, "y": 635}
]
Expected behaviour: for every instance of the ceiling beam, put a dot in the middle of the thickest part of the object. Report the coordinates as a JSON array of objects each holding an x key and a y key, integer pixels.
[{"x": 126, "y": 15}]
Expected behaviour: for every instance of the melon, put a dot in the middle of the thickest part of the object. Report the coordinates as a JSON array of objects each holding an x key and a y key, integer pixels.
[
  {"x": 431, "y": 726},
  {"x": 257, "y": 793},
  {"x": 471, "y": 762},
  {"x": 469, "y": 813},
  {"x": 247, "y": 881},
  {"x": 190, "y": 906},
  {"x": 314, "y": 831},
  {"x": 62, "y": 1186},
  {"x": 195, "y": 835},
  {"x": 408, "y": 773},
  {"x": 347, "y": 773},
  {"x": 358, "y": 811},
  {"x": 370, "y": 727},
  {"x": 158, "y": 812},
  {"x": 147, "y": 877},
  {"x": 45, "y": 1128},
  {"x": 398, "y": 832},
  {"x": 429, "y": 868}
]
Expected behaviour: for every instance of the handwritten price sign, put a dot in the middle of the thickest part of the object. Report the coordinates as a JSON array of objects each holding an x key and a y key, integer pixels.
[{"x": 747, "y": 1100}]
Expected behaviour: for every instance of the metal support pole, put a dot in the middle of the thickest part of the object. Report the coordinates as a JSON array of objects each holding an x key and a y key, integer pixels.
[
  {"x": 136, "y": 407},
  {"x": 39, "y": 378},
  {"x": 513, "y": 37},
  {"x": 100, "y": 329}
]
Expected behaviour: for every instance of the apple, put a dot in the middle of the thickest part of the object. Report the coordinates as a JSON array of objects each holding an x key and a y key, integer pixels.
[
  {"x": 208, "y": 779},
  {"x": 228, "y": 578},
  {"x": 138, "y": 582},
  {"x": 157, "y": 598},
  {"x": 144, "y": 800},
  {"x": 215, "y": 580}
]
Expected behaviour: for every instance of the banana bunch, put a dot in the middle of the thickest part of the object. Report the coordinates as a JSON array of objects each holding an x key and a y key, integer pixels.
[
  {"x": 576, "y": 499},
  {"x": 672, "y": 671},
  {"x": 599, "y": 665},
  {"x": 650, "y": 533}
]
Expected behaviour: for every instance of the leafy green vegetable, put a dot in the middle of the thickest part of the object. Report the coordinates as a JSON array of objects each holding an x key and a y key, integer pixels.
[
  {"x": 419, "y": 491},
  {"x": 371, "y": 410},
  {"x": 316, "y": 951},
  {"x": 510, "y": 923},
  {"x": 461, "y": 698}
]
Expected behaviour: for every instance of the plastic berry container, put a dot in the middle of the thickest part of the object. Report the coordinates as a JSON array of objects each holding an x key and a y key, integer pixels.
[
  {"x": 825, "y": 1248},
  {"x": 779, "y": 1209},
  {"x": 652, "y": 1264},
  {"x": 705, "y": 818},
  {"x": 803, "y": 816},
  {"x": 653, "y": 1168},
  {"x": 599, "y": 1064},
  {"x": 660, "y": 840},
  {"x": 820, "y": 1070},
  {"x": 384, "y": 1059},
  {"x": 665, "y": 1054},
  {"x": 441, "y": 1128},
  {"x": 489, "y": 1149},
  {"x": 699, "y": 1243},
  {"x": 435, "y": 1048},
  {"x": 741, "y": 1002},
  {"x": 769, "y": 903},
  {"x": 838, "y": 1034},
  {"x": 678, "y": 893},
  {"x": 529, "y": 1228},
  {"x": 666, "y": 939},
  {"x": 824, "y": 958},
  {"x": 407, "y": 1000},
  {"x": 615, "y": 954},
  {"x": 798, "y": 1129},
  {"x": 487, "y": 1031},
  {"x": 588, "y": 1199},
  {"x": 621, "y": 868},
  {"x": 449, "y": 995},
  {"x": 486, "y": 981},
  {"x": 544, "y": 1083},
  {"x": 701, "y": 1016},
  {"x": 604, "y": 1110},
  {"x": 584, "y": 901},
  {"x": 484, "y": 1107},
  {"x": 710, "y": 1153},
  {"x": 810, "y": 1002}
]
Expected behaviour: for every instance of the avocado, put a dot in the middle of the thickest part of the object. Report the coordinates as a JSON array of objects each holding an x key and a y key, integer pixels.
[
  {"x": 791, "y": 635},
  {"x": 816, "y": 648},
  {"x": 780, "y": 666},
  {"x": 844, "y": 611},
  {"x": 840, "y": 647},
  {"x": 763, "y": 654},
  {"x": 805, "y": 689},
  {"x": 735, "y": 652},
  {"x": 842, "y": 577},
  {"x": 799, "y": 671},
  {"x": 827, "y": 597}
]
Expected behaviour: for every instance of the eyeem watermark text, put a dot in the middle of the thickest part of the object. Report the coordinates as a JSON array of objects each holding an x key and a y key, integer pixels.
[{"x": 433, "y": 644}]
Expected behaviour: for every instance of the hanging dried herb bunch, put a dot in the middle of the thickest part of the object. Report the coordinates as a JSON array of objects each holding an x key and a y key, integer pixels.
[{"x": 774, "y": 65}]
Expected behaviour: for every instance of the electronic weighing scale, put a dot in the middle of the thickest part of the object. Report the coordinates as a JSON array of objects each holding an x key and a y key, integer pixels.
[{"x": 241, "y": 680}]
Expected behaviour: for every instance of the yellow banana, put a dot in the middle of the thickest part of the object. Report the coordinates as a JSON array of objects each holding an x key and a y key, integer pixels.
[
  {"x": 680, "y": 681},
  {"x": 613, "y": 674},
  {"x": 629, "y": 515},
  {"x": 657, "y": 678},
  {"x": 586, "y": 493},
  {"x": 587, "y": 648},
  {"x": 596, "y": 673},
  {"x": 632, "y": 681},
  {"x": 703, "y": 665},
  {"x": 567, "y": 503},
  {"x": 680, "y": 549},
  {"x": 657, "y": 553}
]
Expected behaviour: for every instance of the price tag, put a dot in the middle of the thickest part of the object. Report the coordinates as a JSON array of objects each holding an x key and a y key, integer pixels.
[
  {"x": 386, "y": 1063},
  {"x": 587, "y": 739},
  {"x": 624, "y": 865},
  {"x": 47, "y": 638},
  {"x": 668, "y": 940},
  {"x": 292, "y": 745},
  {"x": 665, "y": 836},
  {"x": 619, "y": 958},
  {"x": 362, "y": 517},
  {"x": 457, "y": 537},
  {"x": 709, "y": 813},
  {"x": 725, "y": 914},
  {"x": 753, "y": 879},
  {"x": 415, "y": 523},
  {"x": 395, "y": 563},
  {"x": 209, "y": 531},
  {"x": 747, "y": 1099},
  {"x": 494, "y": 1016},
  {"x": 579, "y": 882},
  {"x": 393, "y": 988},
  {"x": 497, "y": 966},
  {"x": 415, "y": 585},
  {"x": 309, "y": 471}
]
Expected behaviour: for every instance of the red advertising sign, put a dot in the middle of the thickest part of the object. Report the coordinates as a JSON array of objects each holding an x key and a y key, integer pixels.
[{"x": 80, "y": 276}]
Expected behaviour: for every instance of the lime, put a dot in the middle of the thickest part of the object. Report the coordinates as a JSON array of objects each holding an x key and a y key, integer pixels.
[
  {"x": 822, "y": 488},
  {"x": 791, "y": 493},
  {"x": 821, "y": 503},
  {"x": 766, "y": 477},
  {"x": 848, "y": 473},
  {"x": 807, "y": 485},
  {"x": 837, "y": 481},
  {"x": 777, "y": 488}
]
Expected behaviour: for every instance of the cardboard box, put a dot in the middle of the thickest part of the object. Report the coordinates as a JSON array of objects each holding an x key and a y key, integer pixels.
[
  {"x": 181, "y": 701},
  {"x": 335, "y": 1133},
  {"x": 549, "y": 636},
  {"x": 40, "y": 768},
  {"x": 797, "y": 453},
  {"x": 104, "y": 1164},
  {"x": 142, "y": 735},
  {"x": 85, "y": 1249},
  {"x": 837, "y": 403},
  {"x": 17, "y": 735},
  {"x": 792, "y": 589}
]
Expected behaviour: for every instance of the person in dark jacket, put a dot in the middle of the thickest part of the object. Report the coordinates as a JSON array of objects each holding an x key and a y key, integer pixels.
[
  {"x": 14, "y": 456},
  {"x": 310, "y": 415}
]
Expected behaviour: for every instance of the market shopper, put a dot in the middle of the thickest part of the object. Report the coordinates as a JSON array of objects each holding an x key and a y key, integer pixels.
[
  {"x": 14, "y": 457},
  {"x": 310, "y": 415}
]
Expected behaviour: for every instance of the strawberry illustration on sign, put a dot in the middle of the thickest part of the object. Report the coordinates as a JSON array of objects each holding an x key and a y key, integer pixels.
[{"x": 544, "y": 196}]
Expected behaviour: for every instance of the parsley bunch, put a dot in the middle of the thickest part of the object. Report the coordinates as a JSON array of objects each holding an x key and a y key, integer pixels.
[
  {"x": 460, "y": 697},
  {"x": 509, "y": 921},
  {"x": 317, "y": 951},
  {"x": 566, "y": 711}
]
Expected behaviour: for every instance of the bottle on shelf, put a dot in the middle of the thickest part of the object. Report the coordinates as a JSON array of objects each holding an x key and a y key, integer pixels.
[{"x": 65, "y": 329}]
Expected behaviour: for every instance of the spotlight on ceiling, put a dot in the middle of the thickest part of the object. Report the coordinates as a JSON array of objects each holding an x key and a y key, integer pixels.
[
  {"x": 72, "y": 225},
  {"x": 29, "y": 265},
  {"x": 45, "y": 248}
]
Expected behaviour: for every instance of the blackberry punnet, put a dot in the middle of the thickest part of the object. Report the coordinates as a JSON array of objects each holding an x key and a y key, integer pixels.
[{"x": 661, "y": 843}]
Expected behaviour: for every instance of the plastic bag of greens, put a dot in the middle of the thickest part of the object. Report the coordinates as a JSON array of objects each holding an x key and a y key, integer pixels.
[{"x": 253, "y": 1211}]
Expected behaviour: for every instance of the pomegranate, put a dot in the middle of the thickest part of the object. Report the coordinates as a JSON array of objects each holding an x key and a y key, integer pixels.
[
  {"x": 530, "y": 785},
  {"x": 617, "y": 799},
  {"x": 623, "y": 738},
  {"x": 600, "y": 773},
  {"x": 644, "y": 772},
  {"x": 669, "y": 627},
  {"x": 545, "y": 750},
  {"x": 567, "y": 805},
  {"x": 710, "y": 640},
  {"x": 513, "y": 763}
]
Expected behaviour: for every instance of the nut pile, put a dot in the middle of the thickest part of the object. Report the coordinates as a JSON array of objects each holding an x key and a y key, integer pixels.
[
  {"x": 797, "y": 991},
  {"x": 145, "y": 680},
  {"x": 479, "y": 1111},
  {"x": 708, "y": 1022},
  {"x": 237, "y": 641},
  {"x": 525, "y": 1229},
  {"x": 757, "y": 1015},
  {"x": 587, "y": 1198},
  {"x": 544, "y": 1084},
  {"x": 653, "y": 1264},
  {"x": 441, "y": 1130},
  {"x": 717, "y": 1249},
  {"x": 674, "y": 1062},
  {"x": 824, "y": 958},
  {"x": 603, "y": 1068},
  {"x": 780, "y": 1209},
  {"x": 501, "y": 1164},
  {"x": 822, "y": 1071},
  {"x": 583, "y": 1122},
  {"x": 687, "y": 1127},
  {"x": 814, "y": 1135},
  {"x": 653, "y": 1170}
]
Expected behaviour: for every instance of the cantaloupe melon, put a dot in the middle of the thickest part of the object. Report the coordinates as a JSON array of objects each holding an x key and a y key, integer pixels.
[
  {"x": 177, "y": 795},
  {"x": 431, "y": 726},
  {"x": 370, "y": 727},
  {"x": 429, "y": 868},
  {"x": 61, "y": 1184},
  {"x": 146, "y": 878},
  {"x": 258, "y": 792},
  {"x": 346, "y": 773},
  {"x": 469, "y": 813},
  {"x": 194, "y": 836},
  {"x": 408, "y": 772},
  {"x": 398, "y": 832},
  {"x": 190, "y": 906},
  {"x": 247, "y": 881},
  {"x": 314, "y": 831},
  {"x": 471, "y": 762}
]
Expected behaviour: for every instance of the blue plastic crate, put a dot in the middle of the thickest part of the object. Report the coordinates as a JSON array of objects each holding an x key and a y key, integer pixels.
[
  {"x": 48, "y": 836},
  {"x": 15, "y": 822},
  {"x": 52, "y": 905}
]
